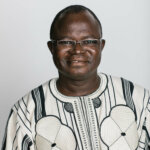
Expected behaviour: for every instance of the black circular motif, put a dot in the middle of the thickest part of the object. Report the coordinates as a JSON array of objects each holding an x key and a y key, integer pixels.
[
  {"x": 123, "y": 134},
  {"x": 53, "y": 145},
  {"x": 68, "y": 107},
  {"x": 97, "y": 102}
]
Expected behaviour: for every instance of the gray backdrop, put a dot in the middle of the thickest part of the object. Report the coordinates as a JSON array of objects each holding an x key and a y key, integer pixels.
[{"x": 25, "y": 61}]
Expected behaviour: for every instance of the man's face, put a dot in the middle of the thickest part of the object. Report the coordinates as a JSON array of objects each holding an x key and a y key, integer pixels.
[{"x": 79, "y": 61}]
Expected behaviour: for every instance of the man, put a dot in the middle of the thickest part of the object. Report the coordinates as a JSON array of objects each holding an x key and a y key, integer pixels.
[{"x": 81, "y": 110}]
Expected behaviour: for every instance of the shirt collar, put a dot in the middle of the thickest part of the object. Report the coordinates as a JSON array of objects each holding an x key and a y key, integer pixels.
[{"x": 64, "y": 98}]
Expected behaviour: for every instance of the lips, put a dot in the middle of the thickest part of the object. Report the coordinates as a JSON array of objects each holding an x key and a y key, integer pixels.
[
  {"x": 78, "y": 60},
  {"x": 78, "y": 63}
]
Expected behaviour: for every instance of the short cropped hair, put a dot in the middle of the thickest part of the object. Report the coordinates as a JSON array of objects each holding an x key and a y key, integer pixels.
[{"x": 71, "y": 10}]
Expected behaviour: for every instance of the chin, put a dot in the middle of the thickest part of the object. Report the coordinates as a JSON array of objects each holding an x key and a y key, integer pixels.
[
  {"x": 79, "y": 75},
  {"x": 77, "y": 72}
]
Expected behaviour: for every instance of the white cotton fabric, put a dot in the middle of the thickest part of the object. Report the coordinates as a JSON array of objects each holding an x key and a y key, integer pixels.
[{"x": 115, "y": 117}]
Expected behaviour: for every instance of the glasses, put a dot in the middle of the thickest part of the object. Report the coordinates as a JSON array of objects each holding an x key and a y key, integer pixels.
[{"x": 70, "y": 44}]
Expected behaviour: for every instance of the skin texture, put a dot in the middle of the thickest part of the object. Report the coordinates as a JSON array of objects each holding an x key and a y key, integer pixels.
[{"x": 77, "y": 67}]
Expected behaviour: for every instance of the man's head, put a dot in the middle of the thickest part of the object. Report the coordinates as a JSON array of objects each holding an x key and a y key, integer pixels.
[
  {"x": 73, "y": 9},
  {"x": 76, "y": 42}
]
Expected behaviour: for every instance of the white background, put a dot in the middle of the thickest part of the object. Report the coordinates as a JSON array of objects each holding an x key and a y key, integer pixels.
[{"x": 25, "y": 61}]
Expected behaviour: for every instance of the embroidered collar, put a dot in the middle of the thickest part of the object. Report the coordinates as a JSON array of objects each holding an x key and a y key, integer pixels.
[{"x": 64, "y": 98}]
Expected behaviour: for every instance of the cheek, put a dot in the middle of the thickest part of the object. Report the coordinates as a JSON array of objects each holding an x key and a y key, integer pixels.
[
  {"x": 59, "y": 59},
  {"x": 96, "y": 61},
  {"x": 95, "y": 58}
]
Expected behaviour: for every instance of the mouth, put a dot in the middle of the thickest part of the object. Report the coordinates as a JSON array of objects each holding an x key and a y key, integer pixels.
[
  {"x": 75, "y": 61},
  {"x": 78, "y": 61}
]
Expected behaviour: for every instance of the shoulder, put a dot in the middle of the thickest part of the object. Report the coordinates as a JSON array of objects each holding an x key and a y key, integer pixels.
[
  {"x": 127, "y": 87},
  {"x": 28, "y": 104},
  {"x": 124, "y": 82}
]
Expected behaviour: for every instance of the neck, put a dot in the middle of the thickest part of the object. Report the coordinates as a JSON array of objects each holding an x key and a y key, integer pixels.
[{"x": 74, "y": 87}]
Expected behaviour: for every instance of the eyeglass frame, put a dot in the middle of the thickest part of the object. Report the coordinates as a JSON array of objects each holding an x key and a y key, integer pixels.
[{"x": 75, "y": 42}]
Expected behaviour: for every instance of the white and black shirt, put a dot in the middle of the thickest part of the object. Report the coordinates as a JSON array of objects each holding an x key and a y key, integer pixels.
[{"x": 115, "y": 117}]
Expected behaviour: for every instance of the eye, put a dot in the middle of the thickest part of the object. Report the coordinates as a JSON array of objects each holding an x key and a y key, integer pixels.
[
  {"x": 65, "y": 42},
  {"x": 90, "y": 42}
]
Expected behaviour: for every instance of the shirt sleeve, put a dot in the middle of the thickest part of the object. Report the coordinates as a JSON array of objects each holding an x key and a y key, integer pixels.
[{"x": 15, "y": 137}]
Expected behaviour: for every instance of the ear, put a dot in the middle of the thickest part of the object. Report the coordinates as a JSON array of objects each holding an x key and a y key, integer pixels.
[
  {"x": 50, "y": 46},
  {"x": 102, "y": 44}
]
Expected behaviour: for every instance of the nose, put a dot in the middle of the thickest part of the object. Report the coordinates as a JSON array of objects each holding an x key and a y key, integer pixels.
[{"x": 78, "y": 48}]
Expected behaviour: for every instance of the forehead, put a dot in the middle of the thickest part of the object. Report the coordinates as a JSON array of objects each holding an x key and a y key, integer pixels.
[{"x": 77, "y": 22}]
